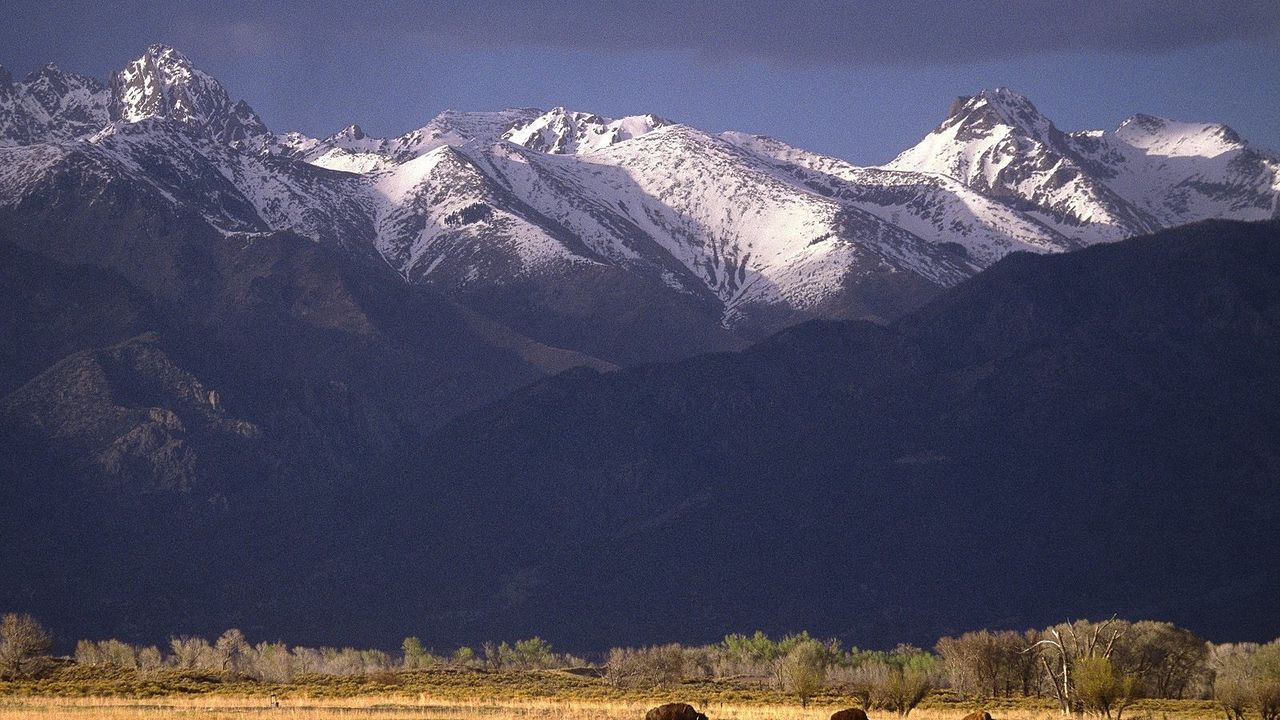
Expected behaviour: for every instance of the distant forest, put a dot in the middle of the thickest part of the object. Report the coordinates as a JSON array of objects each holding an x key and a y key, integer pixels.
[{"x": 1097, "y": 667}]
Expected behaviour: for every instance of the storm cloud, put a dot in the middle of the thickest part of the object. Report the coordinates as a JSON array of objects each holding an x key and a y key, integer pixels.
[
  {"x": 794, "y": 31},
  {"x": 858, "y": 79},
  {"x": 829, "y": 31}
]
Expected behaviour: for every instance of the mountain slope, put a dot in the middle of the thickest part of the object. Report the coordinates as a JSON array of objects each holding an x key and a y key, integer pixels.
[
  {"x": 999, "y": 457},
  {"x": 1033, "y": 426},
  {"x": 1179, "y": 172},
  {"x": 171, "y": 427},
  {"x": 336, "y": 366}
]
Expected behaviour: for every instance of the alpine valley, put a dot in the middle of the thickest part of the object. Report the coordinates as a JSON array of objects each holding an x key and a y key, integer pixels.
[{"x": 535, "y": 371}]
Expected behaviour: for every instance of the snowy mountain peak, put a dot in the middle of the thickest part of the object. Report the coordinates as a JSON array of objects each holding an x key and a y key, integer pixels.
[
  {"x": 168, "y": 52},
  {"x": 990, "y": 109},
  {"x": 562, "y": 132},
  {"x": 1158, "y": 136},
  {"x": 986, "y": 129},
  {"x": 51, "y": 80},
  {"x": 999, "y": 144},
  {"x": 165, "y": 83},
  {"x": 556, "y": 131},
  {"x": 50, "y": 104},
  {"x": 482, "y": 126},
  {"x": 350, "y": 132}
]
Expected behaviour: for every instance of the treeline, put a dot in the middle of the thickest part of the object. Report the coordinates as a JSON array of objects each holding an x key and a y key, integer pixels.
[
  {"x": 895, "y": 681},
  {"x": 1099, "y": 667},
  {"x": 277, "y": 662}
]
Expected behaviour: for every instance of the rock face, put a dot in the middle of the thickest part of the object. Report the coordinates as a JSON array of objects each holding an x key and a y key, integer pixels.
[
  {"x": 164, "y": 83},
  {"x": 50, "y": 105}
]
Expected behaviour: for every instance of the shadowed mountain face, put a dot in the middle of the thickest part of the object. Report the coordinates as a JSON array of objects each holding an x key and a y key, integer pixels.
[
  {"x": 278, "y": 327},
  {"x": 144, "y": 431},
  {"x": 1080, "y": 434}
]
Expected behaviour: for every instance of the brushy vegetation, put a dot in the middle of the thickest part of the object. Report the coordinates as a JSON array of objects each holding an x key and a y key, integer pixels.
[{"x": 1112, "y": 669}]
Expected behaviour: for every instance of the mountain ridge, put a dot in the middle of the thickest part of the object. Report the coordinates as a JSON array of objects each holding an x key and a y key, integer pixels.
[{"x": 663, "y": 203}]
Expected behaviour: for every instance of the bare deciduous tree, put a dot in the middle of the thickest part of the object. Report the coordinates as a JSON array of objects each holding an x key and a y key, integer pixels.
[
  {"x": 150, "y": 658},
  {"x": 1166, "y": 659},
  {"x": 985, "y": 664},
  {"x": 193, "y": 652},
  {"x": 230, "y": 650},
  {"x": 24, "y": 644},
  {"x": 649, "y": 667},
  {"x": 1063, "y": 646},
  {"x": 1233, "y": 680}
]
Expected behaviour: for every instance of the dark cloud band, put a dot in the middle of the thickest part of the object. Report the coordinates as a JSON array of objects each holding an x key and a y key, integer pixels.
[
  {"x": 832, "y": 32},
  {"x": 828, "y": 31}
]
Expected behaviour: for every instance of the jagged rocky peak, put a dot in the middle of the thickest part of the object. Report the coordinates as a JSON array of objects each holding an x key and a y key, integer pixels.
[
  {"x": 50, "y": 83},
  {"x": 165, "y": 83},
  {"x": 1142, "y": 122},
  {"x": 998, "y": 117},
  {"x": 352, "y": 138},
  {"x": 980, "y": 114},
  {"x": 998, "y": 143},
  {"x": 50, "y": 105},
  {"x": 350, "y": 132}
]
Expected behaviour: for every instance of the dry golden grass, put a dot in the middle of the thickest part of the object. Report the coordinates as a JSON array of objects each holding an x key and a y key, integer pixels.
[
  {"x": 389, "y": 708},
  {"x": 446, "y": 693},
  {"x": 424, "y": 707}
]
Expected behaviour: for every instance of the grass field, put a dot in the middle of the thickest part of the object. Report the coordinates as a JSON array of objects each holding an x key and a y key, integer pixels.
[
  {"x": 389, "y": 707},
  {"x": 452, "y": 694}
]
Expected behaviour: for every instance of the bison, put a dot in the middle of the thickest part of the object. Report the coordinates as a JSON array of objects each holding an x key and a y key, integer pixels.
[
  {"x": 674, "y": 711},
  {"x": 978, "y": 715},
  {"x": 850, "y": 714}
]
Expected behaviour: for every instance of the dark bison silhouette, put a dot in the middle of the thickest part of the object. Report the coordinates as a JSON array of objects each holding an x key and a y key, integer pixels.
[
  {"x": 978, "y": 715},
  {"x": 674, "y": 711},
  {"x": 850, "y": 714}
]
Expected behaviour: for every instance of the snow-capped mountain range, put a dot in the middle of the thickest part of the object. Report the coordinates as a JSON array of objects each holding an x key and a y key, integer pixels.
[{"x": 506, "y": 204}]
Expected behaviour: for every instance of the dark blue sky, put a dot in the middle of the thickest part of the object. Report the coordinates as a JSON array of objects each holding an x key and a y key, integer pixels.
[{"x": 860, "y": 80}]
